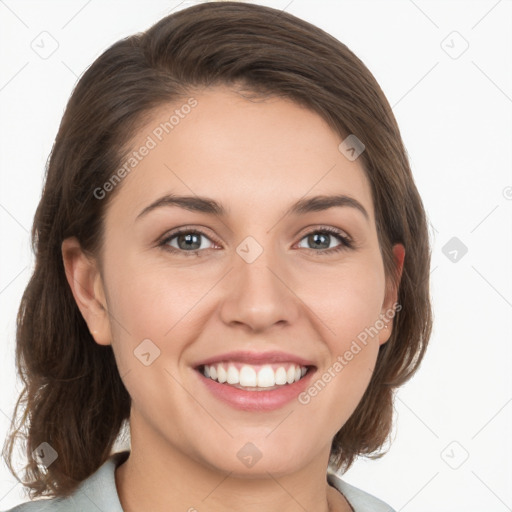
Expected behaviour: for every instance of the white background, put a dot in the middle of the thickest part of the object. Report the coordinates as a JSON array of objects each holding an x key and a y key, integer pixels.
[{"x": 455, "y": 115}]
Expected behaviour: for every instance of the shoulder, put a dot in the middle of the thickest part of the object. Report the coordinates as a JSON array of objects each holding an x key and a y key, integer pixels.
[
  {"x": 359, "y": 500},
  {"x": 97, "y": 492},
  {"x": 43, "y": 505}
]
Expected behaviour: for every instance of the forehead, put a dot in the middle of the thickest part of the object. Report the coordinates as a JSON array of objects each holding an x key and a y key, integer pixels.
[{"x": 218, "y": 143}]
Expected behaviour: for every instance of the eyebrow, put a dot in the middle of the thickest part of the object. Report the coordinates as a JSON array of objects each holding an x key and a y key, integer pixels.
[{"x": 212, "y": 207}]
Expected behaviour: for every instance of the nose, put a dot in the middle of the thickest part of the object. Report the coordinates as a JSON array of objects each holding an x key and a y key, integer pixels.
[{"x": 259, "y": 295}]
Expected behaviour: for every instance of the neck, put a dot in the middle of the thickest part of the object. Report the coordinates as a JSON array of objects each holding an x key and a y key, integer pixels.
[{"x": 157, "y": 474}]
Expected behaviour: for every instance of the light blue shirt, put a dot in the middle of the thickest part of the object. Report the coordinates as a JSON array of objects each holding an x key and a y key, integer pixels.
[{"x": 98, "y": 493}]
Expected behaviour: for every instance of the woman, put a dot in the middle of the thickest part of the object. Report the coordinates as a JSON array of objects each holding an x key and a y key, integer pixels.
[{"x": 232, "y": 256}]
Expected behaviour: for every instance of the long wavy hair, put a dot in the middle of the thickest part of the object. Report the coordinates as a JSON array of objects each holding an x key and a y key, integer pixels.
[{"x": 73, "y": 397}]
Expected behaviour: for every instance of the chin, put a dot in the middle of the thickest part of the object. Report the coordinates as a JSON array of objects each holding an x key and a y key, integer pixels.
[{"x": 257, "y": 459}]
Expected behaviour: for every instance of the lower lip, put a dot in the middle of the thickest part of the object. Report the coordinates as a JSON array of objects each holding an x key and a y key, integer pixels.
[{"x": 257, "y": 400}]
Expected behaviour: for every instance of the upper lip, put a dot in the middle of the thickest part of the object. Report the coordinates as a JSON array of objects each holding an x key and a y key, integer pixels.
[{"x": 243, "y": 356}]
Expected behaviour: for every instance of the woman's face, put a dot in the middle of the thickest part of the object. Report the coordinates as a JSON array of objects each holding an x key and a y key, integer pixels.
[{"x": 254, "y": 285}]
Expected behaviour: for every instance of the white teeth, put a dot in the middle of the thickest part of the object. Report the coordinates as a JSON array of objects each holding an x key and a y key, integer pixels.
[
  {"x": 233, "y": 375},
  {"x": 249, "y": 376},
  {"x": 266, "y": 377},
  {"x": 222, "y": 376},
  {"x": 281, "y": 375}
]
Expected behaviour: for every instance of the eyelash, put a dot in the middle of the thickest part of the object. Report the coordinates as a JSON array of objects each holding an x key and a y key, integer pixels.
[{"x": 346, "y": 242}]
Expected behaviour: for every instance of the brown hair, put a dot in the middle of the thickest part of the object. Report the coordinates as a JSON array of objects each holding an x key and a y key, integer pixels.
[{"x": 73, "y": 396}]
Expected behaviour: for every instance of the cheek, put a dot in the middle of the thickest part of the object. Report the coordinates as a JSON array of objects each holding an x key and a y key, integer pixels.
[
  {"x": 158, "y": 311},
  {"x": 347, "y": 299},
  {"x": 152, "y": 300},
  {"x": 142, "y": 311},
  {"x": 349, "y": 307},
  {"x": 336, "y": 389},
  {"x": 150, "y": 312}
]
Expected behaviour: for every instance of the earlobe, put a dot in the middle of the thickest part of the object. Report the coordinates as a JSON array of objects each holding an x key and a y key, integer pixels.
[
  {"x": 86, "y": 284},
  {"x": 391, "y": 306}
]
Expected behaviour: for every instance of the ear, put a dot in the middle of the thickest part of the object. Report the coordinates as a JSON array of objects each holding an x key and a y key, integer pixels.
[
  {"x": 389, "y": 307},
  {"x": 86, "y": 284}
]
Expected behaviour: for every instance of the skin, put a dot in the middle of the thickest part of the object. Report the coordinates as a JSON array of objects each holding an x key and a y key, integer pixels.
[{"x": 256, "y": 158}]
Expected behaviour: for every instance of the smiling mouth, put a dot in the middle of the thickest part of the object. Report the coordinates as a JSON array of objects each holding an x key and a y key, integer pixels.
[{"x": 247, "y": 377}]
